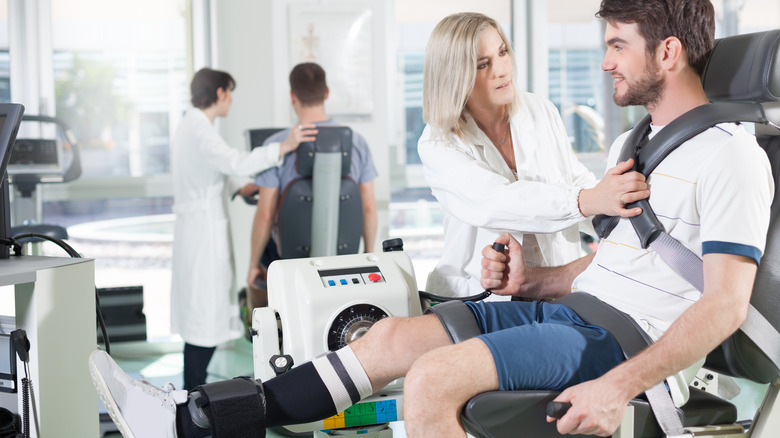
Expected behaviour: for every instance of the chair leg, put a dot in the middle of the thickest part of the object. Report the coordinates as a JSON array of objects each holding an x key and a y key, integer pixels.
[
  {"x": 626, "y": 429},
  {"x": 767, "y": 420}
]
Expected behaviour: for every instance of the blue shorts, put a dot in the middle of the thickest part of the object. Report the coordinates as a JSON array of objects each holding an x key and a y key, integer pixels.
[{"x": 539, "y": 345}]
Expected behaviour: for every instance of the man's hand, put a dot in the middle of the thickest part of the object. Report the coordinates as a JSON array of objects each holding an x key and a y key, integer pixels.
[
  {"x": 620, "y": 186},
  {"x": 248, "y": 190},
  {"x": 503, "y": 273},
  {"x": 298, "y": 134},
  {"x": 256, "y": 273},
  {"x": 249, "y": 193},
  {"x": 597, "y": 408}
]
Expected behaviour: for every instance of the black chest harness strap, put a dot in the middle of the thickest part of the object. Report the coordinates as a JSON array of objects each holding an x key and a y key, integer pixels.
[{"x": 647, "y": 155}]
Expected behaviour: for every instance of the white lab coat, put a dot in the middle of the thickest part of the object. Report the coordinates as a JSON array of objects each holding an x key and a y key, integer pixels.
[
  {"x": 481, "y": 200},
  {"x": 204, "y": 305}
]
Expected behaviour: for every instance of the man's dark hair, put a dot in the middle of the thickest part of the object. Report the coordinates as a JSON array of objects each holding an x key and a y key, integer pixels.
[
  {"x": 691, "y": 21},
  {"x": 205, "y": 84},
  {"x": 307, "y": 82}
]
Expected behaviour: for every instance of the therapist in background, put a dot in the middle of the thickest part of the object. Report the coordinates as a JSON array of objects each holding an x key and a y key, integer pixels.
[
  {"x": 204, "y": 309},
  {"x": 499, "y": 160}
]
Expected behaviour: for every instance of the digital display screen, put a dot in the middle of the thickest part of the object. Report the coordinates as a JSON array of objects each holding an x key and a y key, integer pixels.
[
  {"x": 27, "y": 152},
  {"x": 5, "y": 354}
]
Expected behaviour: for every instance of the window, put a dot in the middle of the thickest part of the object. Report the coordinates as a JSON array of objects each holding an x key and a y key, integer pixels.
[
  {"x": 414, "y": 213},
  {"x": 119, "y": 75},
  {"x": 5, "y": 61},
  {"x": 121, "y": 81},
  {"x": 579, "y": 88}
]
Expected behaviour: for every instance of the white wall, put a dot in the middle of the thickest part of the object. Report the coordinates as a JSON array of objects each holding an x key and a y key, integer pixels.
[{"x": 251, "y": 44}]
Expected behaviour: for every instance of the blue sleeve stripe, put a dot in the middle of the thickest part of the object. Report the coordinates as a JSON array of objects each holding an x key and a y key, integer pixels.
[{"x": 715, "y": 246}]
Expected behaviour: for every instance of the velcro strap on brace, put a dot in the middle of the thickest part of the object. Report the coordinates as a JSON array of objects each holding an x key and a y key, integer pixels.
[{"x": 235, "y": 408}]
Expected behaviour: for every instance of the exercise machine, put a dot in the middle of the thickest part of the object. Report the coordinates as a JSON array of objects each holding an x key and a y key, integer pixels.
[
  {"x": 321, "y": 304},
  {"x": 45, "y": 152}
]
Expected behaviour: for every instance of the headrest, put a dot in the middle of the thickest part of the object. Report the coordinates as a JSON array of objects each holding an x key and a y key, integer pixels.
[
  {"x": 329, "y": 139},
  {"x": 744, "y": 68}
]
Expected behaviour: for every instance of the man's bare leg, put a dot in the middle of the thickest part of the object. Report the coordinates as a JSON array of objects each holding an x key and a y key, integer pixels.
[
  {"x": 440, "y": 383},
  {"x": 389, "y": 349}
]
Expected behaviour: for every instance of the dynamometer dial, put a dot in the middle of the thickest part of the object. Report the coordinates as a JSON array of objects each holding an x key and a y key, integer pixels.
[{"x": 352, "y": 323}]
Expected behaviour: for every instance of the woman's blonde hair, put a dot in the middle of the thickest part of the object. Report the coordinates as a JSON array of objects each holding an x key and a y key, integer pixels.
[{"x": 451, "y": 69}]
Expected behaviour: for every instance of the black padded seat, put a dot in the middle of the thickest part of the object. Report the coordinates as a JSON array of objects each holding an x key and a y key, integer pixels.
[{"x": 505, "y": 413}]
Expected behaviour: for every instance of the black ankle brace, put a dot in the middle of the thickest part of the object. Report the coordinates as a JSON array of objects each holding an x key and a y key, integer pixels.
[
  {"x": 186, "y": 427},
  {"x": 235, "y": 408}
]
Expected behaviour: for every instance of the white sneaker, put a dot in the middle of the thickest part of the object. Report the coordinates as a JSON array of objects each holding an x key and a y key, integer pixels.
[{"x": 139, "y": 409}]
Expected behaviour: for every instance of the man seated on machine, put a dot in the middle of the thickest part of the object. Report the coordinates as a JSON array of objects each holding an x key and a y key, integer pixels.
[
  {"x": 716, "y": 188},
  {"x": 308, "y": 92}
]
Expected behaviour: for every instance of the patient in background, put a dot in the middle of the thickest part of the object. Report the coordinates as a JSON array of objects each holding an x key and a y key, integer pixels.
[{"x": 308, "y": 92}]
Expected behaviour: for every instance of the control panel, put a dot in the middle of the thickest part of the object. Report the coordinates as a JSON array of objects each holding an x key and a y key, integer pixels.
[
  {"x": 34, "y": 155},
  {"x": 351, "y": 276}
]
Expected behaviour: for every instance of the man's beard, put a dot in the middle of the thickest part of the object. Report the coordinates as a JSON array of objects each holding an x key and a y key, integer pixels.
[{"x": 646, "y": 91}]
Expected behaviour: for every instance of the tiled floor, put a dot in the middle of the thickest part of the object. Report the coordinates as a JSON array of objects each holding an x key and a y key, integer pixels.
[{"x": 236, "y": 360}]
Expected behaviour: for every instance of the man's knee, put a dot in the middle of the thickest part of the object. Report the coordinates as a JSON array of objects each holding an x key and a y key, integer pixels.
[
  {"x": 466, "y": 369},
  {"x": 401, "y": 335},
  {"x": 423, "y": 378}
]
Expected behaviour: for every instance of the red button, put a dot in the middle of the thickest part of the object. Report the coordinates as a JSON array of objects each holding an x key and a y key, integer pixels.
[{"x": 374, "y": 277}]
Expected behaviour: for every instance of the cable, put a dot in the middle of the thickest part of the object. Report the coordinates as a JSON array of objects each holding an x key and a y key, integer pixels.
[
  {"x": 440, "y": 299},
  {"x": 26, "y": 391},
  {"x": 500, "y": 247},
  {"x": 61, "y": 243},
  {"x": 14, "y": 241}
]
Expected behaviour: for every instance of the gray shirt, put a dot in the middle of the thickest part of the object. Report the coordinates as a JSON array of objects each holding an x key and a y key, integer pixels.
[{"x": 361, "y": 170}]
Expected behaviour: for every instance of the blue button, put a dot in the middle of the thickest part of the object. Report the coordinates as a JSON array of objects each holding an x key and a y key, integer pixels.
[
  {"x": 331, "y": 283},
  {"x": 343, "y": 281}
]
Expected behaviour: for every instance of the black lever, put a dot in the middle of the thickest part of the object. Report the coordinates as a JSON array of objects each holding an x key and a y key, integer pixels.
[{"x": 557, "y": 409}]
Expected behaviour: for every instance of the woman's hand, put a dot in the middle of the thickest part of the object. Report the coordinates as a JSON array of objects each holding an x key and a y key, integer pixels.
[
  {"x": 620, "y": 186},
  {"x": 298, "y": 134}
]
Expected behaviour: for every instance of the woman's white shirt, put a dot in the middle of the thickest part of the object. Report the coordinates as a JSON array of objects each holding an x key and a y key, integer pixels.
[{"x": 481, "y": 199}]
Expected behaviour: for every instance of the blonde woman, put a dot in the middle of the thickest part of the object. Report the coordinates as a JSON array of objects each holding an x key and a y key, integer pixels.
[{"x": 499, "y": 160}]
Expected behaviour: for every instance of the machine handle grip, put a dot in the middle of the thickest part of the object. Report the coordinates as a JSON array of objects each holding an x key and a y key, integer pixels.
[
  {"x": 21, "y": 344},
  {"x": 557, "y": 409},
  {"x": 500, "y": 247},
  {"x": 281, "y": 363}
]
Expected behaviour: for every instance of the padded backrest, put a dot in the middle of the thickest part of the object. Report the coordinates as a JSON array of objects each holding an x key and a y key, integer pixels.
[
  {"x": 294, "y": 222},
  {"x": 329, "y": 139},
  {"x": 746, "y": 68},
  {"x": 295, "y": 219}
]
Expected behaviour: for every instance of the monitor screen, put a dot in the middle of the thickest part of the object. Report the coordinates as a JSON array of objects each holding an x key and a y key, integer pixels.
[
  {"x": 256, "y": 137},
  {"x": 10, "y": 118}
]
